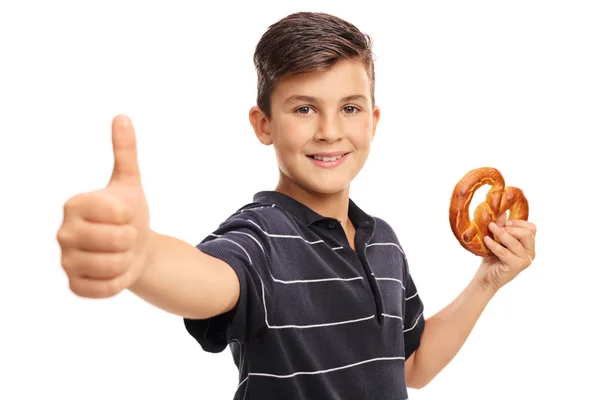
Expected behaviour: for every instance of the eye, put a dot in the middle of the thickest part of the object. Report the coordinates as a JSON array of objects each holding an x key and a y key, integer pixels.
[
  {"x": 303, "y": 110},
  {"x": 351, "y": 109}
]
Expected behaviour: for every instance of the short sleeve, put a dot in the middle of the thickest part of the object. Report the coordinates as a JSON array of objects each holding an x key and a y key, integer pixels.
[
  {"x": 239, "y": 243},
  {"x": 414, "y": 321}
]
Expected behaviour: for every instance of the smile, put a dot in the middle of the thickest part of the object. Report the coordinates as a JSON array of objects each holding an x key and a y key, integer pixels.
[{"x": 328, "y": 161}]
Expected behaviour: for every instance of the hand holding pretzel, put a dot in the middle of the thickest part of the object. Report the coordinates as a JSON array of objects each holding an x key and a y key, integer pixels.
[
  {"x": 499, "y": 199},
  {"x": 506, "y": 243}
]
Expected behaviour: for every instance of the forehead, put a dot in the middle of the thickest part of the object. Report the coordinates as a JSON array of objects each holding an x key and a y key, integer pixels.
[{"x": 342, "y": 79}]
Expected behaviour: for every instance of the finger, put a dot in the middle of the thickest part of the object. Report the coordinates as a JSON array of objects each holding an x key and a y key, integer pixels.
[
  {"x": 523, "y": 235},
  {"x": 82, "y": 264},
  {"x": 522, "y": 224},
  {"x": 126, "y": 168},
  {"x": 503, "y": 254},
  {"x": 509, "y": 241},
  {"x": 94, "y": 237},
  {"x": 501, "y": 220},
  {"x": 98, "y": 206},
  {"x": 99, "y": 288}
]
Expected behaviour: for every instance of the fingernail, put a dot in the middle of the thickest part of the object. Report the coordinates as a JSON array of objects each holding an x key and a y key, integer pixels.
[
  {"x": 509, "y": 222},
  {"x": 493, "y": 226}
]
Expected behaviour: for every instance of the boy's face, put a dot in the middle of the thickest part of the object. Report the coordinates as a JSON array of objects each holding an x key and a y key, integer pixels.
[{"x": 321, "y": 126}]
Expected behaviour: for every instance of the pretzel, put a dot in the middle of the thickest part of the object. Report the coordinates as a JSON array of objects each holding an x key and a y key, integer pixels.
[{"x": 499, "y": 199}]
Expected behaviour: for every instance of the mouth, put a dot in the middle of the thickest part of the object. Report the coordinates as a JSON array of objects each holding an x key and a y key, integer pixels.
[{"x": 328, "y": 159}]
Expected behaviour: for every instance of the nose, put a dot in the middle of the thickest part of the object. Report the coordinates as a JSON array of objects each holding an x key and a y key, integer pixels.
[{"x": 328, "y": 129}]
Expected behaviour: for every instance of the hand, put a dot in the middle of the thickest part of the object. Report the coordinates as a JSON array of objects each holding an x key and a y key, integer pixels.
[
  {"x": 104, "y": 234},
  {"x": 514, "y": 253}
]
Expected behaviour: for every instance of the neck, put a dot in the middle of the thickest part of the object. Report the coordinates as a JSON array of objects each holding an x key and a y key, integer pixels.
[{"x": 332, "y": 205}]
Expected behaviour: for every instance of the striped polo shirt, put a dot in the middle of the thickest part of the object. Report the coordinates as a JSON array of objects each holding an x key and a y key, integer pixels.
[{"x": 315, "y": 319}]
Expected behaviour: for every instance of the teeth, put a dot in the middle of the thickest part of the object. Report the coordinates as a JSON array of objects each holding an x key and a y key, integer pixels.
[{"x": 321, "y": 158}]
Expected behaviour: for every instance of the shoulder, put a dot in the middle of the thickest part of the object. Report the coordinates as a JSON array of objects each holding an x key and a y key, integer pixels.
[
  {"x": 384, "y": 234},
  {"x": 262, "y": 215},
  {"x": 241, "y": 238},
  {"x": 384, "y": 231},
  {"x": 253, "y": 222},
  {"x": 272, "y": 219}
]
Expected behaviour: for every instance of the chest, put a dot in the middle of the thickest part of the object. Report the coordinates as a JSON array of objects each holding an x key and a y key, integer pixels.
[{"x": 324, "y": 281}]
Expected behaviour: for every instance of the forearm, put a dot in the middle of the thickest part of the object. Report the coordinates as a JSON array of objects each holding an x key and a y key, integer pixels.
[
  {"x": 180, "y": 279},
  {"x": 445, "y": 333}
]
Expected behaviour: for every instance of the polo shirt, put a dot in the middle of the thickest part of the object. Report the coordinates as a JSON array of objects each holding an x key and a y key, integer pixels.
[{"x": 315, "y": 319}]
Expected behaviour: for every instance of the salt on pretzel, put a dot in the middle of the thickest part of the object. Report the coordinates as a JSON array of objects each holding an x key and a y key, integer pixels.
[{"x": 499, "y": 199}]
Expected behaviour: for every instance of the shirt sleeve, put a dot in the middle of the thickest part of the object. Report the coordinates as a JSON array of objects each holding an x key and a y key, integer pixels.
[
  {"x": 240, "y": 243},
  {"x": 414, "y": 321}
]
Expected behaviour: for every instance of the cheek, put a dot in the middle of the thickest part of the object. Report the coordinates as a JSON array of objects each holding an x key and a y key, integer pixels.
[
  {"x": 292, "y": 135},
  {"x": 361, "y": 133}
]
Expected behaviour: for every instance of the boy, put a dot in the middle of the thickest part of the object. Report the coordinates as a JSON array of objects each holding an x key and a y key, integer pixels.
[{"x": 312, "y": 294}]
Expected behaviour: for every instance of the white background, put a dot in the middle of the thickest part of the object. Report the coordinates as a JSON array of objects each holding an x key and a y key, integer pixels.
[{"x": 512, "y": 84}]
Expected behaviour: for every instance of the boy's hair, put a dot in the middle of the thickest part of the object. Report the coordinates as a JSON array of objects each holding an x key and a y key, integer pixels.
[{"x": 304, "y": 42}]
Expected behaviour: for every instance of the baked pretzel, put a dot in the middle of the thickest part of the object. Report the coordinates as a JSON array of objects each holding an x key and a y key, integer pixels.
[{"x": 499, "y": 199}]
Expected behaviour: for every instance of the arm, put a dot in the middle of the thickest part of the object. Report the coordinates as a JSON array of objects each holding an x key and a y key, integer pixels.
[
  {"x": 183, "y": 280},
  {"x": 445, "y": 333},
  {"x": 107, "y": 246}
]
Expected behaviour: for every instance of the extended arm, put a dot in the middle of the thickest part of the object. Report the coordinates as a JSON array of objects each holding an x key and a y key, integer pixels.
[{"x": 184, "y": 281}]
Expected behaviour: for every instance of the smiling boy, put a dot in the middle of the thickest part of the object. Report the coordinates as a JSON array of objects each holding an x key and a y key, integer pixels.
[{"x": 312, "y": 294}]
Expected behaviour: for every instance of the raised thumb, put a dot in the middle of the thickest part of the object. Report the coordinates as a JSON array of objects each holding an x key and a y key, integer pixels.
[{"x": 126, "y": 168}]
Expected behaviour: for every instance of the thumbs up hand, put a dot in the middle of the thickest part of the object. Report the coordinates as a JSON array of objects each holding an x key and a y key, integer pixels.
[{"x": 104, "y": 235}]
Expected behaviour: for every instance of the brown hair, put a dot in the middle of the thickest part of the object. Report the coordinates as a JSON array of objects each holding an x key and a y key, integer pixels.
[{"x": 304, "y": 42}]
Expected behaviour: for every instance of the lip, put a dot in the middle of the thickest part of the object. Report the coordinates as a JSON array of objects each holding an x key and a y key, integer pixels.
[
  {"x": 329, "y": 164},
  {"x": 329, "y": 154}
]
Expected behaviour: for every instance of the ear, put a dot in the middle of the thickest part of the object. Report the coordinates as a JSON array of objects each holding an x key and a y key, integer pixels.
[
  {"x": 261, "y": 126},
  {"x": 376, "y": 115}
]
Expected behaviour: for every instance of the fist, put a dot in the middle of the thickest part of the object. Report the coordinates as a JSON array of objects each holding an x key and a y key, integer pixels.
[{"x": 104, "y": 234}]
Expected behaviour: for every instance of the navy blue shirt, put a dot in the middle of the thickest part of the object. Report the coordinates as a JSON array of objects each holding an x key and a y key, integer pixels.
[{"x": 315, "y": 319}]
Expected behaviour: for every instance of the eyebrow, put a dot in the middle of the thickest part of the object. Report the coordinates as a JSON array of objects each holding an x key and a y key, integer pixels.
[{"x": 310, "y": 99}]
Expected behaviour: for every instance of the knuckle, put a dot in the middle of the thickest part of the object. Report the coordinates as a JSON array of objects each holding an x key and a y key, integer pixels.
[
  {"x": 95, "y": 288},
  {"x": 119, "y": 238},
  {"x": 60, "y": 236},
  {"x": 68, "y": 263},
  {"x": 64, "y": 236},
  {"x": 111, "y": 287},
  {"x": 73, "y": 203},
  {"x": 70, "y": 205},
  {"x": 79, "y": 288},
  {"x": 117, "y": 264}
]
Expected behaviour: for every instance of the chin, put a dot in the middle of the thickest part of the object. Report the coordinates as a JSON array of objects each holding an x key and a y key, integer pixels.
[
  {"x": 325, "y": 187},
  {"x": 318, "y": 183}
]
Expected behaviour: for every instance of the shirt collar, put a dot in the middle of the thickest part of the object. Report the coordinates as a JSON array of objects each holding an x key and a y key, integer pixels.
[{"x": 305, "y": 214}]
